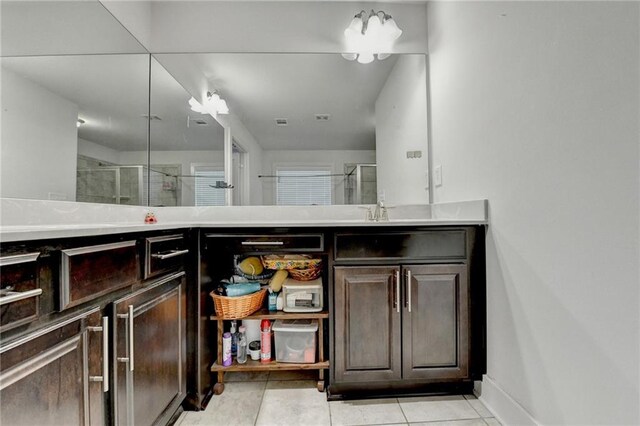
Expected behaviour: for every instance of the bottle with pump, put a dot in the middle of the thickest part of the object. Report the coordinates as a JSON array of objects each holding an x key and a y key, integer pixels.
[
  {"x": 265, "y": 341},
  {"x": 242, "y": 345}
]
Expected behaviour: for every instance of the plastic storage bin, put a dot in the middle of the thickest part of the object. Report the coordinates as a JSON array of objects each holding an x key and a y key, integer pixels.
[{"x": 296, "y": 340}]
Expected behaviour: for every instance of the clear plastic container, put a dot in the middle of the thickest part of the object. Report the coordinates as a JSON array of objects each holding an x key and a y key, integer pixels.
[{"x": 296, "y": 340}]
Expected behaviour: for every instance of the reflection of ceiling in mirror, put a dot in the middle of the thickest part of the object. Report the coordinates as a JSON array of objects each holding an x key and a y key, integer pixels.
[
  {"x": 179, "y": 128},
  {"x": 260, "y": 88},
  {"x": 111, "y": 92}
]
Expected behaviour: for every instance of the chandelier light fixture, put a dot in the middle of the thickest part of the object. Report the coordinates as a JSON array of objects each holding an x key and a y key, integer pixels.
[
  {"x": 213, "y": 105},
  {"x": 370, "y": 34}
]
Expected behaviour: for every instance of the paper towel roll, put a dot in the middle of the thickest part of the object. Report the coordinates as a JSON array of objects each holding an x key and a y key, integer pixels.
[{"x": 253, "y": 329}]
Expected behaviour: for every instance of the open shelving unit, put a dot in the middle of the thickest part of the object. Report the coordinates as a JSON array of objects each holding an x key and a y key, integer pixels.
[{"x": 251, "y": 365}]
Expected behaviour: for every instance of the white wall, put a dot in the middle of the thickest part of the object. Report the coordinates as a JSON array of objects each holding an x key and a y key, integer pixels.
[
  {"x": 97, "y": 151},
  {"x": 335, "y": 159},
  {"x": 37, "y": 124},
  {"x": 274, "y": 26},
  {"x": 535, "y": 106},
  {"x": 401, "y": 126}
]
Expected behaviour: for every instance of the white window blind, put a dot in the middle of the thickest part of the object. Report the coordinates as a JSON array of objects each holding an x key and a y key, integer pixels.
[
  {"x": 206, "y": 178},
  {"x": 303, "y": 187}
]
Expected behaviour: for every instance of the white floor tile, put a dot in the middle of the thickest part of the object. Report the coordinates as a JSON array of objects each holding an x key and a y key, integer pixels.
[
  {"x": 238, "y": 405},
  {"x": 366, "y": 412},
  {"x": 479, "y": 407},
  {"x": 437, "y": 408},
  {"x": 492, "y": 421},
  {"x": 470, "y": 422},
  {"x": 294, "y": 403}
]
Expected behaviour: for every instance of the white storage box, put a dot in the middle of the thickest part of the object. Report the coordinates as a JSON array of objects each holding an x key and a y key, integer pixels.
[
  {"x": 296, "y": 340},
  {"x": 302, "y": 296}
]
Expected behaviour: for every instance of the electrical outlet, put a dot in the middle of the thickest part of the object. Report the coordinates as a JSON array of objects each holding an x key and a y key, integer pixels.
[{"x": 437, "y": 175}]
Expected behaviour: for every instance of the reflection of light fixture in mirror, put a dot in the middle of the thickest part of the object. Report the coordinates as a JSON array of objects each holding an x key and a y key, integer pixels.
[
  {"x": 80, "y": 122},
  {"x": 213, "y": 105},
  {"x": 368, "y": 34}
]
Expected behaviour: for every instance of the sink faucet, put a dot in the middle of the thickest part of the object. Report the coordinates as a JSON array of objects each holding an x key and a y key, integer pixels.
[{"x": 380, "y": 214}]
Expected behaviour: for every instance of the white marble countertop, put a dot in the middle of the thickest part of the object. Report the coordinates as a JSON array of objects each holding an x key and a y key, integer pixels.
[{"x": 23, "y": 220}]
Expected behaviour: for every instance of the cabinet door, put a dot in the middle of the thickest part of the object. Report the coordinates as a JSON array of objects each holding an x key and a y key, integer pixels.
[
  {"x": 150, "y": 350},
  {"x": 44, "y": 377},
  {"x": 435, "y": 318},
  {"x": 367, "y": 324}
]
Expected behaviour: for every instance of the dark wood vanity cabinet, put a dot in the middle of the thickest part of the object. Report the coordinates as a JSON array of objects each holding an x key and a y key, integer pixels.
[
  {"x": 54, "y": 376},
  {"x": 97, "y": 344},
  {"x": 150, "y": 353},
  {"x": 407, "y": 323}
]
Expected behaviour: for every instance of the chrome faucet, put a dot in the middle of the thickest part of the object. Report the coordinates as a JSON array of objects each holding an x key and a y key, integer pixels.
[{"x": 380, "y": 214}]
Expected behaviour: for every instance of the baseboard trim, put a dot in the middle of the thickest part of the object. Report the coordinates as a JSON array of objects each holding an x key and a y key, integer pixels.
[{"x": 507, "y": 410}]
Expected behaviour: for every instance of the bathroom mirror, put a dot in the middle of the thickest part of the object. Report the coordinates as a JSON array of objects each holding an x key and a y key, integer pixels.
[
  {"x": 310, "y": 129},
  {"x": 68, "y": 125},
  {"x": 75, "y": 99}
]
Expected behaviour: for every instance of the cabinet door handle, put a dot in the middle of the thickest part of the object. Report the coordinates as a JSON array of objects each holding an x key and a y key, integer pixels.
[
  {"x": 170, "y": 254},
  {"x": 396, "y": 300},
  {"x": 131, "y": 337},
  {"x": 129, "y": 357},
  {"x": 262, "y": 243},
  {"x": 14, "y": 296},
  {"x": 105, "y": 354},
  {"x": 409, "y": 289}
]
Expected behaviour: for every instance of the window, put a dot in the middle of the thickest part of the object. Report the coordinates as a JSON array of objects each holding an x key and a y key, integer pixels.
[
  {"x": 303, "y": 186},
  {"x": 205, "y": 182}
]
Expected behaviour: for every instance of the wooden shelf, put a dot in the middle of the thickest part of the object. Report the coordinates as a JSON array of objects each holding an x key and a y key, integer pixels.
[
  {"x": 252, "y": 365},
  {"x": 266, "y": 314}
]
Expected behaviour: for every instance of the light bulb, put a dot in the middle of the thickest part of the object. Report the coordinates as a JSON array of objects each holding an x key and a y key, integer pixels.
[
  {"x": 195, "y": 105},
  {"x": 374, "y": 28},
  {"x": 222, "y": 107},
  {"x": 350, "y": 56},
  {"x": 365, "y": 57},
  {"x": 355, "y": 28},
  {"x": 390, "y": 29}
]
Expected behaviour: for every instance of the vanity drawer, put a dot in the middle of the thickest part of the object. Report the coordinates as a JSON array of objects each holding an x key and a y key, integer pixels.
[
  {"x": 419, "y": 245},
  {"x": 87, "y": 273},
  {"x": 19, "y": 290},
  {"x": 164, "y": 253},
  {"x": 247, "y": 243}
]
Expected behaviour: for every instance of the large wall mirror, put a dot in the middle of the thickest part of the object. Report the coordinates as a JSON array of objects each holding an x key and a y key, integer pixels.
[
  {"x": 90, "y": 116},
  {"x": 306, "y": 129}
]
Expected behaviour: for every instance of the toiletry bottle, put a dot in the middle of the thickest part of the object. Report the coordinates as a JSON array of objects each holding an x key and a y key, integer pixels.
[
  {"x": 242, "y": 345},
  {"x": 265, "y": 341},
  {"x": 226, "y": 349},
  {"x": 234, "y": 338},
  {"x": 273, "y": 297}
]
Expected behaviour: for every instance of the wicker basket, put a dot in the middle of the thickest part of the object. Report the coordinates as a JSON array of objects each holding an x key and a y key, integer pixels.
[
  {"x": 288, "y": 263},
  {"x": 305, "y": 274},
  {"x": 238, "y": 307}
]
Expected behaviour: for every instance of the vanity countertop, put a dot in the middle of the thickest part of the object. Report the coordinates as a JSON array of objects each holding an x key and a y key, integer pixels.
[{"x": 24, "y": 220}]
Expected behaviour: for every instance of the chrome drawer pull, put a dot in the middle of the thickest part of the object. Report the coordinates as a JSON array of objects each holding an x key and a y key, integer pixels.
[
  {"x": 262, "y": 243},
  {"x": 105, "y": 354},
  {"x": 18, "y": 258},
  {"x": 170, "y": 254},
  {"x": 14, "y": 296}
]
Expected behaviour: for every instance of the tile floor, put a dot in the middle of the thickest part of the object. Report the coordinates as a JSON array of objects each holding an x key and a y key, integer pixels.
[{"x": 291, "y": 398}]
